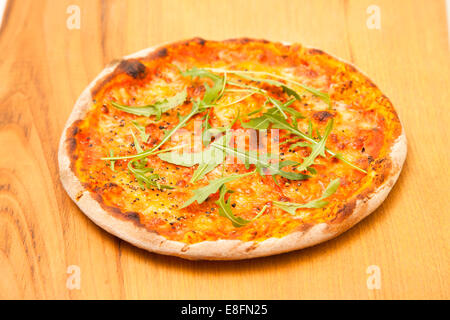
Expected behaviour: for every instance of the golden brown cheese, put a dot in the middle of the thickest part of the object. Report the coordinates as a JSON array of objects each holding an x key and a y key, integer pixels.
[{"x": 365, "y": 127}]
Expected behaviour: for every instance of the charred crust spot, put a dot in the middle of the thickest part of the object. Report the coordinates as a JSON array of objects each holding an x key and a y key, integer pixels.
[
  {"x": 199, "y": 40},
  {"x": 244, "y": 40},
  {"x": 322, "y": 116},
  {"x": 75, "y": 129},
  {"x": 315, "y": 51},
  {"x": 344, "y": 212},
  {"x": 304, "y": 227},
  {"x": 138, "y": 69},
  {"x": 71, "y": 141},
  {"x": 132, "y": 215},
  {"x": 127, "y": 216},
  {"x": 71, "y": 146},
  {"x": 252, "y": 247},
  {"x": 133, "y": 68},
  {"x": 379, "y": 179},
  {"x": 353, "y": 69},
  {"x": 382, "y": 166},
  {"x": 361, "y": 196},
  {"x": 79, "y": 195},
  {"x": 161, "y": 53},
  {"x": 158, "y": 54},
  {"x": 105, "y": 109}
]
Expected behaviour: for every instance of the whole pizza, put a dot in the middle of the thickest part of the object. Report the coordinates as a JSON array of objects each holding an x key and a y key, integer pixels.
[{"x": 231, "y": 149}]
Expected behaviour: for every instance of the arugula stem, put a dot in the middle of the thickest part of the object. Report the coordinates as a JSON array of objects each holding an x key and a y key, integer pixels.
[
  {"x": 309, "y": 139},
  {"x": 239, "y": 100},
  {"x": 324, "y": 96},
  {"x": 241, "y": 85},
  {"x": 134, "y": 156}
]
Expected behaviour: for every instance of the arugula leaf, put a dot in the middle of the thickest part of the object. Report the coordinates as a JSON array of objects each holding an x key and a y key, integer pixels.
[
  {"x": 137, "y": 146},
  {"x": 155, "y": 109},
  {"x": 141, "y": 129},
  {"x": 300, "y": 144},
  {"x": 278, "y": 105},
  {"x": 263, "y": 165},
  {"x": 290, "y": 92},
  {"x": 205, "y": 127},
  {"x": 144, "y": 179},
  {"x": 317, "y": 203},
  {"x": 225, "y": 209},
  {"x": 136, "y": 142},
  {"x": 138, "y": 168},
  {"x": 182, "y": 121},
  {"x": 261, "y": 212},
  {"x": 254, "y": 112},
  {"x": 317, "y": 149},
  {"x": 200, "y": 195},
  {"x": 283, "y": 124},
  {"x": 208, "y": 132},
  {"x": 207, "y": 159},
  {"x": 212, "y": 94},
  {"x": 140, "y": 171},
  {"x": 263, "y": 122},
  {"x": 256, "y": 123},
  {"x": 244, "y": 74}
]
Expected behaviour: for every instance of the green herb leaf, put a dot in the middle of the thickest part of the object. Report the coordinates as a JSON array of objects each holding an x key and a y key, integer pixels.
[
  {"x": 200, "y": 195},
  {"x": 145, "y": 176},
  {"x": 283, "y": 124},
  {"x": 225, "y": 209},
  {"x": 183, "y": 120},
  {"x": 317, "y": 203},
  {"x": 212, "y": 94},
  {"x": 263, "y": 122},
  {"x": 317, "y": 149},
  {"x": 244, "y": 74},
  {"x": 278, "y": 105},
  {"x": 207, "y": 159},
  {"x": 263, "y": 166},
  {"x": 259, "y": 123},
  {"x": 141, "y": 129},
  {"x": 155, "y": 109}
]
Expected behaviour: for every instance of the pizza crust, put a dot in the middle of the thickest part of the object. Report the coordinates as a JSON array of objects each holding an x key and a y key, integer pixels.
[{"x": 139, "y": 236}]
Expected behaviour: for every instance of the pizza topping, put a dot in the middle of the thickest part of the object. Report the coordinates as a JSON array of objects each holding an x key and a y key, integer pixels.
[
  {"x": 200, "y": 195},
  {"x": 317, "y": 203},
  {"x": 322, "y": 136},
  {"x": 225, "y": 209},
  {"x": 245, "y": 74},
  {"x": 208, "y": 159},
  {"x": 155, "y": 109},
  {"x": 141, "y": 129}
]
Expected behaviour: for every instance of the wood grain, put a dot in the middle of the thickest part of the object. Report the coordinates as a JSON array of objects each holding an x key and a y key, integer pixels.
[{"x": 44, "y": 67}]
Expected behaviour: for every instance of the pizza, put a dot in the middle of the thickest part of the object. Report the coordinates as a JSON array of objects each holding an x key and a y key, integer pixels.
[{"x": 235, "y": 149}]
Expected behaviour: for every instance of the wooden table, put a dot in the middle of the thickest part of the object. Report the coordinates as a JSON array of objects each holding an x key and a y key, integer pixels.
[{"x": 44, "y": 66}]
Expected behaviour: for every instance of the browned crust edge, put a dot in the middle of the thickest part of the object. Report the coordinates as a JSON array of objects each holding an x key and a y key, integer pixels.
[{"x": 129, "y": 230}]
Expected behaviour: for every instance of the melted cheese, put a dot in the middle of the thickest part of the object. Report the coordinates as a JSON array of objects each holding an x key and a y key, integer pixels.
[{"x": 365, "y": 126}]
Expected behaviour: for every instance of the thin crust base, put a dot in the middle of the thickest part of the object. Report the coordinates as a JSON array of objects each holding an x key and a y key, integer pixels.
[{"x": 210, "y": 250}]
